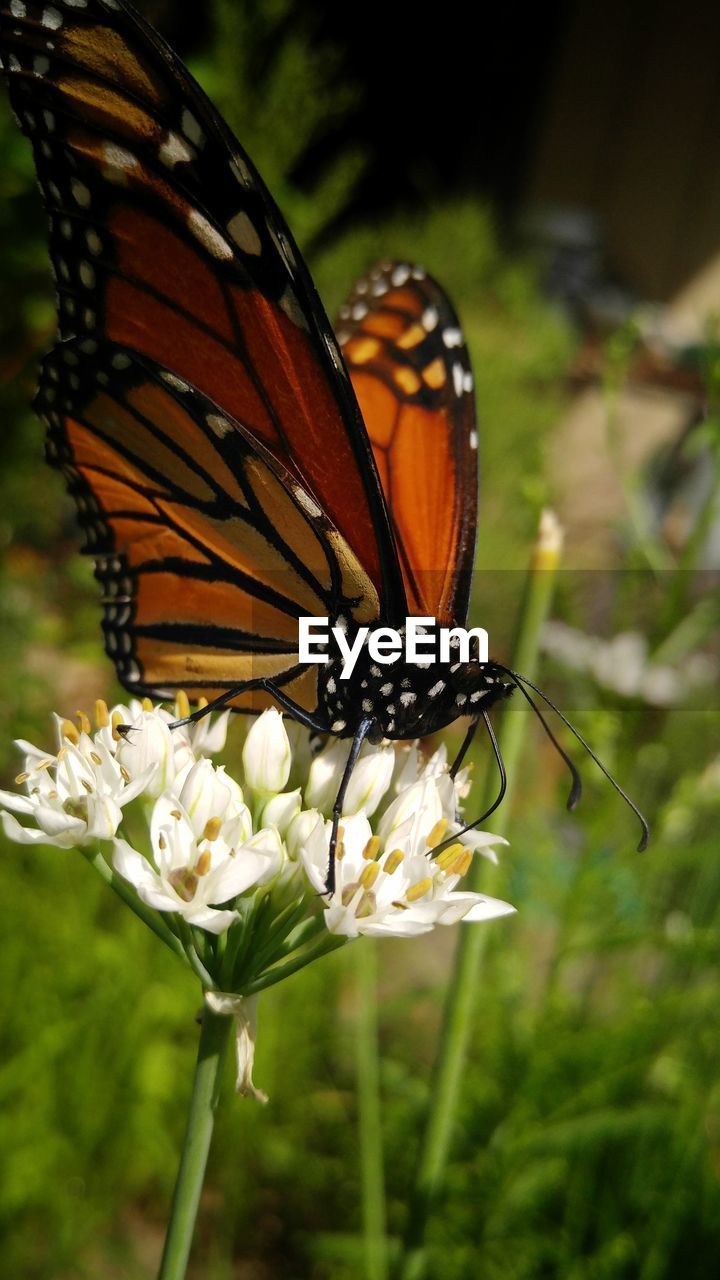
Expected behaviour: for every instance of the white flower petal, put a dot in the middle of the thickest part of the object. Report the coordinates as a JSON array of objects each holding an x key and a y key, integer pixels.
[{"x": 266, "y": 754}]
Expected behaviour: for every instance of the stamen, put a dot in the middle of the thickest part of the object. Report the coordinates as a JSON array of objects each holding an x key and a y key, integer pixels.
[
  {"x": 444, "y": 859},
  {"x": 147, "y": 704},
  {"x": 202, "y": 866},
  {"x": 69, "y": 731},
  {"x": 182, "y": 705},
  {"x": 96, "y": 759},
  {"x": 419, "y": 890},
  {"x": 102, "y": 715},
  {"x": 175, "y": 813},
  {"x": 202, "y": 702},
  {"x": 371, "y": 848},
  {"x": 393, "y": 861},
  {"x": 83, "y": 722},
  {"x": 437, "y": 833},
  {"x": 22, "y": 777},
  {"x": 124, "y": 773},
  {"x": 212, "y": 829},
  {"x": 116, "y": 722},
  {"x": 369, "y": 875},
  {"x": 162, "y": 842},
  {"x": 87, "y": 786}
]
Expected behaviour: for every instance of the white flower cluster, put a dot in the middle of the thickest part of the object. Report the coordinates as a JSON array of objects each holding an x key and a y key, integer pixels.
[{"x": 212, "y": 844}]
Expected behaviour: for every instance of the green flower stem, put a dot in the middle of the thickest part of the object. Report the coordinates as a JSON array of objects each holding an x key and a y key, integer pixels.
[
  {"x": 214, "y": 1041},
  {"x": 369, "y": 1111},
  {"x": 327, "y": 943},
  {"x": 449, "y": 1067},
  {"x": 148, "y": 915},
  {"x": 190, "y": 951}
]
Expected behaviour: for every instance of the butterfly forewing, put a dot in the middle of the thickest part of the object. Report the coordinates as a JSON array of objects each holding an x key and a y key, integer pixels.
[
  {"x": 409, "y": 365},
  {"x": 165, "y": 242}
]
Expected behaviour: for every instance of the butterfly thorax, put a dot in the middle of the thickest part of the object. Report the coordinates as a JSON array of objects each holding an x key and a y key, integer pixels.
[{"x": 405, "y": 699}]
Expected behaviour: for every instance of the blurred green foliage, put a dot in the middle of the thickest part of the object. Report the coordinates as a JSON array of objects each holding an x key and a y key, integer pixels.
[{"x": 589, "y": 1141}]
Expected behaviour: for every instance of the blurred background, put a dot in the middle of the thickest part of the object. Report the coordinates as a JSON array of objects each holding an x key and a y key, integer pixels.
[{"x": 559, "y": 172}]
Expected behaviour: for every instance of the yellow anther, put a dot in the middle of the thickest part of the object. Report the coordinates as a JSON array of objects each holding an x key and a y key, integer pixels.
[
  {"x": 212, "y": 829},
  {"x": 22, "y": 777},
  {"x": 462, "y": 863},
  {"x": 369, "y": 875},
  {"x": 202, "y": 702},
  {"x": 162, "y": 842},
  {"x": 184, "y": 882},
  {"x": 175, "y": 813},
  {"x": 182, "y": 705},
  {"x": 419, "y": 890},
  {"x": 83, "y": 722},
  {"x": 102, "y": 715},
  {"x": 444, "y": 859},
  {"x": 437, "y": 833},
  {"x": 124, "y": 773},
  {"x": 87, "y": 786},
  {"x": 147, "y": 704},
  {"x": 372, "y": 848},
  {"x": 339, "y": 850},
  {"x": 117, "y": 720},
  {"x": 96, "y": 759},
  {"x": 202, "y": 866},
  {"x": 69, "y": 731},
  {"x": 44, "y": 764},
  {"x": 393, "y": 861}
]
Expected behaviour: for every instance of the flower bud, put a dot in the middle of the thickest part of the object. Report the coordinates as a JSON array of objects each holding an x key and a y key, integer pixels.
[
  {"x": 280, "y": 810},
  {"x": 266, "y": 754},
  {"x": 149, "y": 744},
  {"x": 300, "y": 830}
]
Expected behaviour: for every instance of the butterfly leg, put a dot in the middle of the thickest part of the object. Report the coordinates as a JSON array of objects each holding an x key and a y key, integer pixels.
[
  {"x": 467, "y": 743},
  {"x": 268, "y": 686},
  {"x": 361, "y": 733}
]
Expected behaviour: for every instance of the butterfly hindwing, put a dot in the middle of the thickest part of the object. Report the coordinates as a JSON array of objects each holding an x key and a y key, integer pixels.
[
  {"x": 165, "y": 242},
  {"x": 409, "y": 365},
  {"x": 207, "y": 551}
]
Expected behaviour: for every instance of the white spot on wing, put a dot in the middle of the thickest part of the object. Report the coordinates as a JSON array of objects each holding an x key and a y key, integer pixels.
[
  {"x": 87, "y": 274},
  {"x": 191, "y": 128},
  {"x": 452, "y": 337},
  {"x": 81, "y": 193},
  {"x": 218, "y": 425},
  {"x": 292, "y": 308},
  {"x": 117, "y": 163},
  {"x": 173, "y": 381},
  {"x": 473, "y": 439},
  {"x": 244, "y": 233},
  {"x": 17, "y": 8},
  {"x": 306, "y": 502},
  {"x": 41, "y": 65},
  {"x": 175, "y": 150},
  {"x": 401, "y": 275},
  {"x": 458, "y": 378},
  {"x": 211, "y": 239},
  {"x": 120, "y": 360}
]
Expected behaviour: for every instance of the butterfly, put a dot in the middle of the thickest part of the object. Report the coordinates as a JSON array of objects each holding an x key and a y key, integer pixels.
[{"x": 235, "y": 463}]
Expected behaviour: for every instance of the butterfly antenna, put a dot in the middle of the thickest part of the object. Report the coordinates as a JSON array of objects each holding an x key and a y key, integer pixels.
[
  {"x": 576, "y": 786},
  {"x": 498, "y": 799},
  {"x": 523, "y": 680}
]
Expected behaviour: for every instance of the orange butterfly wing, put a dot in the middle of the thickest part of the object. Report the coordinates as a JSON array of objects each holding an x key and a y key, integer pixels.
[
  {"x": 409, "y": 365},
  {"x": 165, "y": 241},
  {"x": 206, "y": 550}
]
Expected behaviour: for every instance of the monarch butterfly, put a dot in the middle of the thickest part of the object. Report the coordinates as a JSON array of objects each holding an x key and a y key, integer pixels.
[{"x": 235, "y": 464}]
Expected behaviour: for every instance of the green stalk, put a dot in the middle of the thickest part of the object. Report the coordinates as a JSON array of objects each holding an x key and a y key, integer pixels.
[
  {"x": 214, "y": 1040},
  {"x": 369, "y": 1111},
  {"x": 450, "y": 1063},
  {"x": 324, "y": 945},
  {"x": 148, "y": 915}
]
